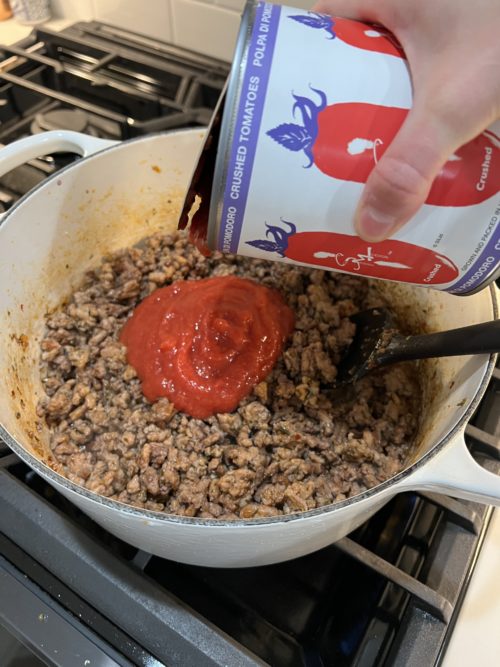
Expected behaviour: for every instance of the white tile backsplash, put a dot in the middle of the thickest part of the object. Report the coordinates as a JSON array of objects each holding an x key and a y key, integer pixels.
[
  {"x": 207, "y": 26},
  {"x": 149, "y": 17},
  {"x": 235, "y": 5},
  {"x": 211, "y": 26},
  {"x": 204, "y": 27},
  {"x": 76, "y": 10}
]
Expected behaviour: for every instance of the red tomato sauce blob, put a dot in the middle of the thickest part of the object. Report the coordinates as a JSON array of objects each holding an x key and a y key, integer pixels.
[{"x": 204, "y": 344}]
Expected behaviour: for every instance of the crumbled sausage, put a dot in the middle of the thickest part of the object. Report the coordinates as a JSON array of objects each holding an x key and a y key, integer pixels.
[{"x": 291, "y": 446}]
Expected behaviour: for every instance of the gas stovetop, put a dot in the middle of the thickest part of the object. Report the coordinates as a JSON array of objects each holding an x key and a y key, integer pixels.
[
  {"x": 388, "y": 594},
  {"x": 101, "y": 80}
]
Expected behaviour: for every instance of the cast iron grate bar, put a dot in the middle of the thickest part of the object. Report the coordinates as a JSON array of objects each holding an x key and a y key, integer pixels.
[
  {"x": 141, "y": 559},
  {"x": 156, "y": 61},
  {"x": 178, "y": 117},
  {"x": 8, "y": 459},
  {"x": 52, "y": 634},
  {"x": 103, "y": 62},
  {"x": 432, "y": 601},
  {"x": 104, "y": 33},
  {"x": 74, "y": 50},
  {"x": 76, "y": 610},
  {"x": 421, "y": 638},
  {"x": 64, "y": 97},
  {"x": 159, "y": 622},
  {"x": 458, "y": 512},
  {"x": 485, "y": 443},
  {"x": 99, "y": 79},
  {"x": 28, "y": 55}
]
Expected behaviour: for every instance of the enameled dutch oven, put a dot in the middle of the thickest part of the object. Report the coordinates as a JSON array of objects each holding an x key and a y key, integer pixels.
[{"x": 113, "y": 196}]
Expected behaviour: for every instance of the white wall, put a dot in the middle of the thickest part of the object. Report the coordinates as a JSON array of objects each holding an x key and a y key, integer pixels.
[{"x": 208, "y": 26}]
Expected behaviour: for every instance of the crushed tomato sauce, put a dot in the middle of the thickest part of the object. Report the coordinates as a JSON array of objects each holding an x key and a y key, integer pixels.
[{"x": 204, "y": 344}]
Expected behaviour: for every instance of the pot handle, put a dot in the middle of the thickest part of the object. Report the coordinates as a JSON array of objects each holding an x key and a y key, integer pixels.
[
  {"x": 454, "y": 472},
  {"x": 56, "y": 141}
]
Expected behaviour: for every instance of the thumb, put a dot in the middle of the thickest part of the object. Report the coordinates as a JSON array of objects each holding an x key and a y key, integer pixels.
[{"x": 401, "y": 180}]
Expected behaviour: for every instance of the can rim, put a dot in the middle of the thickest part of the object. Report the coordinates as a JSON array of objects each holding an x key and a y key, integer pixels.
[
  {"x": 228, "y": 123},
  {"x": 489, "y": 280}
]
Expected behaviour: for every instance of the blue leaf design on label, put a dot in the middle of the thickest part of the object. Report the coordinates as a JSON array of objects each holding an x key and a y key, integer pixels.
[
  {"x": 301, "y": 137},
  {"x": 317, "y": 21},
  {"x": 265, "y": 245},
  {"x": 292, "y": 136},
  {"x": 280, "y": 236}
]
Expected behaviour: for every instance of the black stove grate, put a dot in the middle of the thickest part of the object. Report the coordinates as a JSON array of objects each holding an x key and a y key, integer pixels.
[
  {"x": 386, "y": 595},
  {"x": 100, "y": 80},
  {"x": 138, "y": 85}
]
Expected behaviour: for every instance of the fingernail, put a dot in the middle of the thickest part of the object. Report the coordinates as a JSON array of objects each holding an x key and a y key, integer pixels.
[{"x": 372, "y": 224}]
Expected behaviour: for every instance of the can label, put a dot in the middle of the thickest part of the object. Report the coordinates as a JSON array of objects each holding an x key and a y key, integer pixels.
[{"x": 320, "y": 99}]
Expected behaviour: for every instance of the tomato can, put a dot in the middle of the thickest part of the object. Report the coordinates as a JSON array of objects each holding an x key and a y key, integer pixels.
[{"x": 310, "y": 106}]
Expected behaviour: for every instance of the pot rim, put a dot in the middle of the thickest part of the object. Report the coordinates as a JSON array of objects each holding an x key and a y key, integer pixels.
[{"x": 59, "y": 480}]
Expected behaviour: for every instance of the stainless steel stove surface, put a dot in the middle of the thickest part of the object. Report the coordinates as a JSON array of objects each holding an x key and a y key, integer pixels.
[{"x": 73, "y": 594}]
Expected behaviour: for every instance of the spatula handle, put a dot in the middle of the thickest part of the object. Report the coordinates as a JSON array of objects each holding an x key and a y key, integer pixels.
[{"x": 476, "y": 339}]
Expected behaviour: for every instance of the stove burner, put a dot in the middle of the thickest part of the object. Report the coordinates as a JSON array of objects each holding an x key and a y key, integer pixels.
[{"x": 62, "y": 119}]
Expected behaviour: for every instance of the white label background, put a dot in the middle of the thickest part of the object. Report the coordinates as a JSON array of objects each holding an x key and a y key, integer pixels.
[{"x": 282, "y": 188}]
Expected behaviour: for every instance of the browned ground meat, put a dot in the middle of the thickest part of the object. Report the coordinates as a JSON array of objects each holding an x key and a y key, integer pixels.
[{"x": 292, "y": 445}]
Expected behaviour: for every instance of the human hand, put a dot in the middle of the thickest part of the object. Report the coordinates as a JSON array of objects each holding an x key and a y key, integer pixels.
[{"x": 453, "y": 51}]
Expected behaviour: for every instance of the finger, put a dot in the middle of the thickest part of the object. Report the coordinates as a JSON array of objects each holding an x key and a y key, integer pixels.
[{"x": 400, "y": 183}]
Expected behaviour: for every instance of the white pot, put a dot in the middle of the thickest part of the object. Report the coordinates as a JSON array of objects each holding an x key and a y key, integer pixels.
[{"x": 115, "y": 195}]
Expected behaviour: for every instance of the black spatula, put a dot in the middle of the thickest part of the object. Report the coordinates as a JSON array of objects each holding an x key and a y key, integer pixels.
[{"x": 378, "y": 342}]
